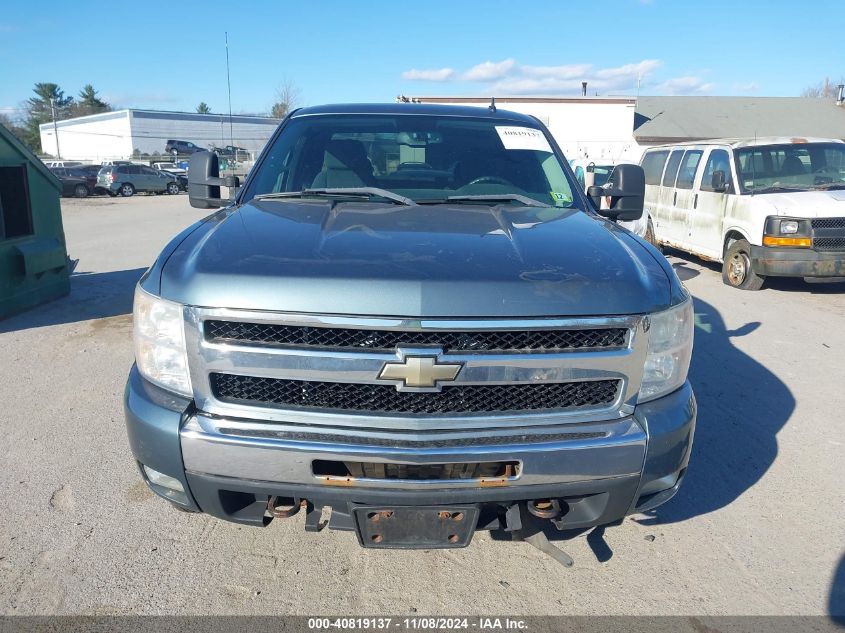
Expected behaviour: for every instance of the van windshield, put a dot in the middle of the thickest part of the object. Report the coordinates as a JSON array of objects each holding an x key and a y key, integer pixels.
[
  {"x": 791, "y": 167},
  {"x": 422, "y": 158}
]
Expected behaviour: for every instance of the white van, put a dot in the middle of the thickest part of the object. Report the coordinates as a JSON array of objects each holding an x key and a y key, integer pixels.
[{"x": 761, "y": 207}]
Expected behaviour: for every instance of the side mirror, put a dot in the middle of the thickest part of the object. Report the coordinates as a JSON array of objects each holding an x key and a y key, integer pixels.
[
  {"x": 204, "y": 181},
  {"x": 626, "y": 190},
  {"x": 717, "y": 181},
  {"x": 595, "y": 193}
]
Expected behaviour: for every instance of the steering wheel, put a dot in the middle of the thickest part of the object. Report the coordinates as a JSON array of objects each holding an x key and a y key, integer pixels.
[{"x": 493, "y": 180}]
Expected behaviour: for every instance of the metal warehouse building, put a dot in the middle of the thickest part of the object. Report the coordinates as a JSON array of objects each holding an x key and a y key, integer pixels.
[{"x": 119, "y": 134}]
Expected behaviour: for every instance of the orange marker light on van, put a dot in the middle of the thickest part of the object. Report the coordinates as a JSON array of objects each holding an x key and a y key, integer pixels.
[{"x": 771, "y": 240}]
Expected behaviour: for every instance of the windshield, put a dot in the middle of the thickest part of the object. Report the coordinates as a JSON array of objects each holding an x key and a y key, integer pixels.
[
  {"x": 791, "y": 167},
  {"x": 423, "y": 158}
]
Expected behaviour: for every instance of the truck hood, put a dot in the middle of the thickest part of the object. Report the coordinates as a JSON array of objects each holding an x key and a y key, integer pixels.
[
  {"x": 431, "y": 261},
  {"x": 807, "y": 204}
]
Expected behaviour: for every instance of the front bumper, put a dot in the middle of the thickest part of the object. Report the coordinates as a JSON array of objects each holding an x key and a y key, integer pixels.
[
  {"x": 633, "y": 464},
  {"x": 769, "y": 261}
]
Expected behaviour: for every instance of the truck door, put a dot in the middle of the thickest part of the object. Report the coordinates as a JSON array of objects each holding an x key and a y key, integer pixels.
[
  {"x": 710, "y": 202},
  {"x": 682, "y": 198},
  {"x": 663, "y": 229}
]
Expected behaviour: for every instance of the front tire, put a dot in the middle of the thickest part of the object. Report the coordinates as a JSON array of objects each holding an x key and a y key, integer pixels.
[
  {"x": 127, "y": 190},
  {"x": 649, "y": 237},
  {"x": 80, "y": 191},
  {"x": 736, "y": 269}
]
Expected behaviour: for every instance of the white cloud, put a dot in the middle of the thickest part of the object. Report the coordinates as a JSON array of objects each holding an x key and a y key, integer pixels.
[
  {"x": 687, "y": 85},
  {"x": 489, "y": 71},
  {"x": 430, "y": 74},
  {"x": 509, "y": 77}
]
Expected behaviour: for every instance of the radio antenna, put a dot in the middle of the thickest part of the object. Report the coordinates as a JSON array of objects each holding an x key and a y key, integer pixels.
[
  {"x": 492, "y": 106},
  {"x": 229, "y": 88}
]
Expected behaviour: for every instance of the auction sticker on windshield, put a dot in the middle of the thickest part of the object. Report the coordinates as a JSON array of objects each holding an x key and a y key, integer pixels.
[{"x": 516, "y": 137}]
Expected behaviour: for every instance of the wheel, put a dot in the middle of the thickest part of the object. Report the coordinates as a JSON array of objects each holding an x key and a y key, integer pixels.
[
  {"x": 736, "y": 269},
  {"x": 173, "y": 188},
  {"x": 126, "y": 190},
  {"x": 80, "y": 191}
]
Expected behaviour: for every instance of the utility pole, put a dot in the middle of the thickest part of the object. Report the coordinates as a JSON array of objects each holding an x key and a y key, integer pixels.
[
  {"x": 229, "y": 88},
  {"x": 55, "y": 127}
]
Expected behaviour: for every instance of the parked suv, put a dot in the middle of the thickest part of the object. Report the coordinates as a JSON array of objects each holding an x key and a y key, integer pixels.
[
  {"x": 126, "y": 180},
  {"x": 181, "y": 147},
  {"x": 762, "y": 207},
  {"x": 412, "y": 316}
]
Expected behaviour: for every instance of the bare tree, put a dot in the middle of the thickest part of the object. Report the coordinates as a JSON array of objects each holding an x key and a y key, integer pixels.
[
  {"x": 288, "y": 97},
  {"x": 823, "y": 90}
]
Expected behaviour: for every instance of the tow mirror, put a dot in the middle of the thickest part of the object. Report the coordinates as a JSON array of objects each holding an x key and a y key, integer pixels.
[
  {"x": 626, "y": 190},
  {"x": 204, "y": 181},
  {"x": 717, "y": 181}
]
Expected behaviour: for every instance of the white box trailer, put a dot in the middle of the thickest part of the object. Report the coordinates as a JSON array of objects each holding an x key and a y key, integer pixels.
[{"x": 122, "y": 133}]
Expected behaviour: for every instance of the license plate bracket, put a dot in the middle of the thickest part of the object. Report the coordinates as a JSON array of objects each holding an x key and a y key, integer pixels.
[{"x": 415, "y": 527}]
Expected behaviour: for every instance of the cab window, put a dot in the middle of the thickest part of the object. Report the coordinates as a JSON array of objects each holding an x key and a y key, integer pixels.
[
  {"x": 686, "y": 173},
  {"x": 653, "y": 163},
  {"x": 719, "y": 160},
  {"x": 672, "y": 168}
]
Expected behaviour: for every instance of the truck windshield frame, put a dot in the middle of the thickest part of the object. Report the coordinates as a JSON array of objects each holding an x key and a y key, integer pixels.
[{"x": 420, "y": 157}]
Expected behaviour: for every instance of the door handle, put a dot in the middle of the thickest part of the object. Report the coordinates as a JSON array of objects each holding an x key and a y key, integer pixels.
[
  {"x": 695, "y": 202},
  {"x": 675, "y": 199}
]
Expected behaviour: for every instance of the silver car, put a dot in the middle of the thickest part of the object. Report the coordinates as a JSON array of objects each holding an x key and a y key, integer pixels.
[{"x": 126, "y": 180}]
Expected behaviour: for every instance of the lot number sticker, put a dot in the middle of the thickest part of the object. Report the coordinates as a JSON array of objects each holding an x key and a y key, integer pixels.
[{"x": 515, "y": 137}]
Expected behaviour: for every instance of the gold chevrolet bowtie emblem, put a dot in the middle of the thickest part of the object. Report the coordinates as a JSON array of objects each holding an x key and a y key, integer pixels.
[{"x": 419, "y": 371}]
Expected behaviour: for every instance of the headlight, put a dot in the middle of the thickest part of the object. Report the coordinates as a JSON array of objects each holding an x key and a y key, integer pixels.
[
  {"x": 669, "y": 351},
  {"x": 788, "y": 227},
  {"x": 160, "y": 342}
]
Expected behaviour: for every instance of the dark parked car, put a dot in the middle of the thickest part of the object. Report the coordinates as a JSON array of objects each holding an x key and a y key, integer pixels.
[
  {"x": 181, "y": 147},
  {"x": 72, "y": 185},
  {"x": 127, "y": 179}
]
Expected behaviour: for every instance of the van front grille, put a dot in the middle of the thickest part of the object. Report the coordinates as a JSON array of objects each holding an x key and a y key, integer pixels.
[{"x": 385, "y": 399}]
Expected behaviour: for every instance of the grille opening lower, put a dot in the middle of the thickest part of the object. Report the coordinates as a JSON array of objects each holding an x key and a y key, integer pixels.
[{"x": 414, "y": 472}]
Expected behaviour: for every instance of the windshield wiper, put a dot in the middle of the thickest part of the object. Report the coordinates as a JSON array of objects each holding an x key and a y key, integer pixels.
[
  {"x": 496, "y": 198},
  {"x": 351, "y": 192},
  {"x": 829, "y": 186},
  {"x": 776, "y": 189}
]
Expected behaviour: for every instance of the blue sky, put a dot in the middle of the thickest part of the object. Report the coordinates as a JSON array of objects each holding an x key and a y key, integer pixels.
[{"x": 170, "y": 55}]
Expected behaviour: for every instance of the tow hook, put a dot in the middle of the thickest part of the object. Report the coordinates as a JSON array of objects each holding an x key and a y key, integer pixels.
[
  {"x": 280, "y": 509},
  {"x": 520, "y": 522}
]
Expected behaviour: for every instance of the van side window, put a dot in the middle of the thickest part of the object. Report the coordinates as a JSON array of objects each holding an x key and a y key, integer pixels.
[
  {"x": 672, "y": 168},
  {"x": 717, "y": 161},
  {"x": 653, "y": 163},
  {"x": 686, "y": 174}
]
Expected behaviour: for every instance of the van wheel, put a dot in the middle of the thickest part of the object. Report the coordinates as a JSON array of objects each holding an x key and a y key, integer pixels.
[
  {"x": 736, "y": 269},
  {"x": 649, "y": 237},
  {"x": 126, "y": 190}
]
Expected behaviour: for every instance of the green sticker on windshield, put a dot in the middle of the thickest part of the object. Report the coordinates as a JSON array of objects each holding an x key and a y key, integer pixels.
[{"x": 561, "y": 197}]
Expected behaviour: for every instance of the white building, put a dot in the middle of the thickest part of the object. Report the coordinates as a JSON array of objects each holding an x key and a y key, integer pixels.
[
  {"x": 584, "y": 127},
  {"x": 119, "y": 134}
]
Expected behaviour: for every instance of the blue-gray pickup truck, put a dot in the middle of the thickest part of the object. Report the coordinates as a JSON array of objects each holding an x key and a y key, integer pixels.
[{"x": 411, "y": 323}]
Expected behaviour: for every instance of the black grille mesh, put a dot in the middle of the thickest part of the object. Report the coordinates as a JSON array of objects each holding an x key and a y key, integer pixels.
[
  {"x": 454, "y": 399},
  {"x": 828, "y": 223},
  {"x": 829, "y": 243},
  {"x": 486, "y": 341}
]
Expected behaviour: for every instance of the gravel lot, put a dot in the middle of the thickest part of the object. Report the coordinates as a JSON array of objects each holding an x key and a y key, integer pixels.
[{"x": 757, "y": 528}]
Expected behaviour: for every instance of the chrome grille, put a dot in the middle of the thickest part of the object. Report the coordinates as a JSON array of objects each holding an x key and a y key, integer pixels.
[
  {"x": 379, "y": 399},
  {"x": 478, "y": 341}
]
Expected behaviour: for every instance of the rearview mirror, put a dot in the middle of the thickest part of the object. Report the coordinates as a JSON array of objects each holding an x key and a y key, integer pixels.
[
  {"x": 626, "y": 190},
  {"x": 204, "y": 181},
  {"x": 717, "y": 181}
]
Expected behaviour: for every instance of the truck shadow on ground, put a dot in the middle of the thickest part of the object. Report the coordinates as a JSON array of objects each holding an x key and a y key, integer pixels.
[
  {"x": 92, "y": 296},
  {"x": 741, "y": 408}
]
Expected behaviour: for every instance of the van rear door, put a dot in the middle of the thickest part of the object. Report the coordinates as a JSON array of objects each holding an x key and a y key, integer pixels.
[{"x": 710, "y": 206}]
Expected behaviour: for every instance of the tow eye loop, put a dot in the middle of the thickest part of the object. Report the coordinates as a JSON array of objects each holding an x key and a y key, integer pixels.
[
  {"x": 519, "y": 521},
  {"x": 281, "y": 510}
]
